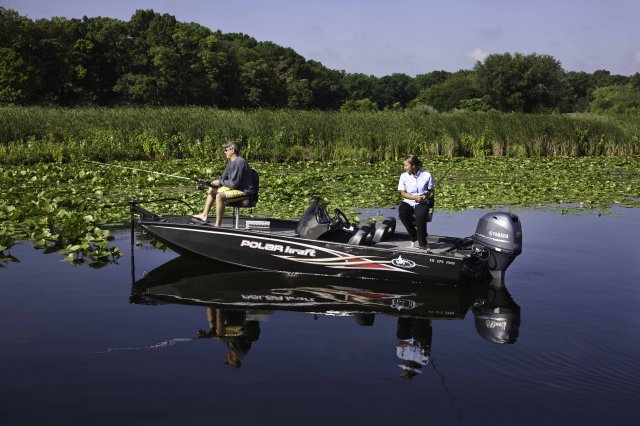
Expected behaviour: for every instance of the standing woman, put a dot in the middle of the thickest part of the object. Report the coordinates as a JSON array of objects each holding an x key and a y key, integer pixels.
[{"x": 416, "y": 189}]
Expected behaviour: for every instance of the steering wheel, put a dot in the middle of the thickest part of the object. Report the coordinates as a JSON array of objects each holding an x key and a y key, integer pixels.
[{"x": 342, "y": 219}]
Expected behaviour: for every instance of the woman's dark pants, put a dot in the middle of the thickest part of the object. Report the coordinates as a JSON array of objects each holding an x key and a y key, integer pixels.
[{"x": 415, "y": 220}]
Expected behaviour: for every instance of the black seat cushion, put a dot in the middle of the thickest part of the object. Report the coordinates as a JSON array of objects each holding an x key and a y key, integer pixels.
[{"x": 245, "y": 202}]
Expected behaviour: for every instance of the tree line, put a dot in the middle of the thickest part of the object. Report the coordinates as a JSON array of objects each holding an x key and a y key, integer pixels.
[{"x": 154, "y": 60}]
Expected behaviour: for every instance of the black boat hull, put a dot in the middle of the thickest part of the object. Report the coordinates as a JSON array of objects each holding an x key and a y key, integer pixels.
[
  {"x": 262, "y": 250},
  {"x": 195, "y": 282},
  {"x": 318, "y": 245},
  {"x": 218, "y": 286}
]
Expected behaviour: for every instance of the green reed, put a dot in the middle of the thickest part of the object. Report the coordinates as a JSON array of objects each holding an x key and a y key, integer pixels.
[{"x": 31, "y": 135}]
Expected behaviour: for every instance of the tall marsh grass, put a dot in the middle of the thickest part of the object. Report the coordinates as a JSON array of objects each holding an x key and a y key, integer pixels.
[{"x": 40, "y": 134}]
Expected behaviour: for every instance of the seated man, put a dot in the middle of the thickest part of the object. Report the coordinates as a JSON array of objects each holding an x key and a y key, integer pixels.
[{"x": 234, "y": 183}]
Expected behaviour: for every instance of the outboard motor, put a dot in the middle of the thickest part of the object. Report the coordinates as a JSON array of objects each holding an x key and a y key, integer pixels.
[
  {"x": 497, "y": 316},
  {"x": 498, "y": 240}
]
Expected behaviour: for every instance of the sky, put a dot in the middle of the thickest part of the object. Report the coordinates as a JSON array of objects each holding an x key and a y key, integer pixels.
[{"x": 382, "y": 37}]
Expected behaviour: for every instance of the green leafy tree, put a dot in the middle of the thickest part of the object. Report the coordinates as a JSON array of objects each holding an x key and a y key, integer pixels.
[
  {"x": 447, "y": 95},
  {"x": 192, "y": 83},
  {"x": 396, "y": 88},
  {"x": 137, "y": 88},
  {"x": 579, "y": 88},
  {"x": 326, "y": 86},
  {"x": 634, "y": 81},
  {"x": 164, "y": 59},
  {"x": 361, "y": 105},
  {"x": 153, "y": 59},
  {"x": 602, "y": 78},
  {"x": 521, "y": 83},
  {"x": 14, "y": 78},
  {"x": 19, "y": 79},
  {"x": 219, "y": 69},
  {"x": 299, "y": 94},
  {"x": 424, "y": 81},
  {"x": 359, "y": 86},
  {"x": 473, "y": 104},
  {"x": 106, "y": 58},
  {"x": 308, "y": 84},
  {"x": 138, "y": 84},
  {"x": 56, "y": 59},
  {"x": 615, "y": 99}
]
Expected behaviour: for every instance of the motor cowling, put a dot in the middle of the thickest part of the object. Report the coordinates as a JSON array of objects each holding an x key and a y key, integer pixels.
[
  {"x": 498, "y": 238},
  {"x": 497, "y": 327},
  {"x": 496, "y": 315}
]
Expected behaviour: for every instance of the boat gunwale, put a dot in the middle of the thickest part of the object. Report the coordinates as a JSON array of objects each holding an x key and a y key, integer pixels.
[{"x": 450, "y": 253}]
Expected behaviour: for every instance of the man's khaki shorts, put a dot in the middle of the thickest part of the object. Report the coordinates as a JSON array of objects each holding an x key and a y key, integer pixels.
[{"x": 230, "y": 194}]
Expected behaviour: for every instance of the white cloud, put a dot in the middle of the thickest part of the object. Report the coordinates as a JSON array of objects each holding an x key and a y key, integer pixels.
[
  {"x": 636, "y": 58},
  {"x": 477, "y": 55}
]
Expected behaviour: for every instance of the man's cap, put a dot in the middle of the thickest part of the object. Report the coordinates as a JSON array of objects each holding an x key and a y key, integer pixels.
[{"x": 232, "y": 145}]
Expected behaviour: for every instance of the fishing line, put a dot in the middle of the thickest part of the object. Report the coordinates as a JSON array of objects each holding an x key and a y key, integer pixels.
[
  {"x": 453, "y": 163},
  {"x": 160, "y": 345},
  {"x": 454, "y": 403},
  {"x": 140, "y": 170},
  {"x": 178, "y": 200}
]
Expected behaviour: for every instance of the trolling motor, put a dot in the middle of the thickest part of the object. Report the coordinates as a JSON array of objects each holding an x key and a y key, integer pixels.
[{"x": 498, "y": 241}]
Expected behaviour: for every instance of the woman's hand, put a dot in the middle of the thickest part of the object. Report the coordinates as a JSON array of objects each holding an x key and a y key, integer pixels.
[{"x": 425, "y": 196}]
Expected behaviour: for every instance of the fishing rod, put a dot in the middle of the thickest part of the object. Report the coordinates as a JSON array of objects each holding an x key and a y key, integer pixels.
[
  {"x": 433, "y": 204},
  {"x": 142, "y": 170},
  {"x": 200, "y": 183},
  {"x": 453, "y": 163}
]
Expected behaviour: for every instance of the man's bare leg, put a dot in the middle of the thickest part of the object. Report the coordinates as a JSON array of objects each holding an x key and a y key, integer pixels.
[
  {"x": 207, "y": 205},
  {"x": 220, "y": 199}
]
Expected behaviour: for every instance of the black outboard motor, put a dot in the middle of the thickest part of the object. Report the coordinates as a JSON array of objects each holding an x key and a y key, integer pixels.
[
  {"x": 497, "y": 315},
  {"x": 498, "y": 240}
]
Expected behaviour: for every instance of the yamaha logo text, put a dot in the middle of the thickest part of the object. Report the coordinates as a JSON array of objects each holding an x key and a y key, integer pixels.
[{"x": 498, "y": 234}]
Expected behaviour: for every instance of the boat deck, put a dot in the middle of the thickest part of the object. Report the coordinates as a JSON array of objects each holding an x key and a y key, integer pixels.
[{"x": 278, "y": 227}]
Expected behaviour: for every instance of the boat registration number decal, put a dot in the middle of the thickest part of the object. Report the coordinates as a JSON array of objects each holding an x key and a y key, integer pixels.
[{"x": 278, "y": 248}]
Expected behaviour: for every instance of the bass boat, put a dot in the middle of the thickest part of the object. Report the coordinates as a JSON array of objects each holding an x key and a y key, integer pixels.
[{"x": 323, "y": 244}]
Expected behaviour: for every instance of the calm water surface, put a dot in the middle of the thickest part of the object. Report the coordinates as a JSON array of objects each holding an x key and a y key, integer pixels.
[{"x": 192, "y": 343}]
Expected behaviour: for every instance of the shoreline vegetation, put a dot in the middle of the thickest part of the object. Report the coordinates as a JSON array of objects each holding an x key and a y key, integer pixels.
[
  {"x": 31, "y": 135},
  {"x": 67, "y": 208},
  {"x": 513, "y": 130},
  {"x": 53, "y": 197}
]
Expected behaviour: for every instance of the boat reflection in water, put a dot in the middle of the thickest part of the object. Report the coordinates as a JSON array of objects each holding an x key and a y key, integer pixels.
[{"x": 236, "y": 300}]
